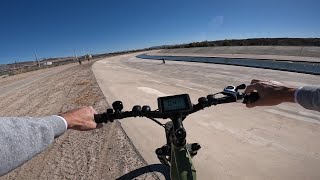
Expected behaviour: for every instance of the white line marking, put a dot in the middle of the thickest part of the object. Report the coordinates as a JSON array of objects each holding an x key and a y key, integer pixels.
[
  {"x": 152, "y": 91},
  {"x": 189, "y": 87},
  {"x": 151, "y": 80},
  {"x": 195, "y": 84}
]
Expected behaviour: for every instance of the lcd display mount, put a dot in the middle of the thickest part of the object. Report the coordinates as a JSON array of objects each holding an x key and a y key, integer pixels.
[{"x": 174, "y": 104}]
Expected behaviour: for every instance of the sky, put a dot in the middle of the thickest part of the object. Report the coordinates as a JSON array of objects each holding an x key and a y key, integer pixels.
[{"x": 55, "y": 28}]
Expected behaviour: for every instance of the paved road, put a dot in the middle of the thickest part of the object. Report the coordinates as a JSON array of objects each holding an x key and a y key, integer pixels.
[{"x": 279, "y": 142}]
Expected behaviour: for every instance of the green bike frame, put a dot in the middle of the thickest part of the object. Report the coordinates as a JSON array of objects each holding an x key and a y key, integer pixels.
[{"x": 181, "y": 163}]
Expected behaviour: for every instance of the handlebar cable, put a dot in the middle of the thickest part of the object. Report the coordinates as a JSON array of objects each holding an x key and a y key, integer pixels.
[{"x": 156, "y": 121}]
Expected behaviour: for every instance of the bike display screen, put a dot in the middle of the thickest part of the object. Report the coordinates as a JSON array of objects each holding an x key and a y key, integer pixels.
[{"x": 172, "y": 104}]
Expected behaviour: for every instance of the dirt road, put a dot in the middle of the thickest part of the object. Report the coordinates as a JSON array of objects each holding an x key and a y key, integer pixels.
[{"x": 100, "y": 154}]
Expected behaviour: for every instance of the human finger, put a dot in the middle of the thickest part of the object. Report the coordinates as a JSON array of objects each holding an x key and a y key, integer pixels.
[
  {"x": 254, "y": 104},
  {"x": 250, "y": 88},
  {"x": 93, "y": 110},
  {"x": 254, "y": 87},
  {"x": 89, "y": 125},
  {"x": 253, "y": 81}
]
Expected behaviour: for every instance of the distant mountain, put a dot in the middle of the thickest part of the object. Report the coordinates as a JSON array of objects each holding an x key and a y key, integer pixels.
[
  {"x": 248, "y": 42},
  {"x": 226, "y": 42}
]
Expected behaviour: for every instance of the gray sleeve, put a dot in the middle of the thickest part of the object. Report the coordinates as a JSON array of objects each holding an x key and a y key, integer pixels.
[
  {"x": 23, "y": 138},
  {"x": 309, "y": 97}
]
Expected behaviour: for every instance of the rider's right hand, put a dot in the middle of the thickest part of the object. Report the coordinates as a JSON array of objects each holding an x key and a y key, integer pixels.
[
  {"x": 81, "y": 119},
  {"x": 270, "y": 93}
]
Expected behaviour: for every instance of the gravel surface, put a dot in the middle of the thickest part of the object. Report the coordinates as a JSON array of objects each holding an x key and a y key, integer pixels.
[{"x": 105, "y": 153}]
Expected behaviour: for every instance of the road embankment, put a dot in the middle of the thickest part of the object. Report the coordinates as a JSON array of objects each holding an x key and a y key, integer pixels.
[{"x": 293, "y": 59}]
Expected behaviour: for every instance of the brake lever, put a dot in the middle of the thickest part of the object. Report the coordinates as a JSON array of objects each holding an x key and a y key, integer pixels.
[
  {"x": 233, "y": 92},
  {"x": 230, "y": 91}
]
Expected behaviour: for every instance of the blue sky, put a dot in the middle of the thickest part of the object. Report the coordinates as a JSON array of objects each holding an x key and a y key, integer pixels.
[{"x": 58, "y": 27}]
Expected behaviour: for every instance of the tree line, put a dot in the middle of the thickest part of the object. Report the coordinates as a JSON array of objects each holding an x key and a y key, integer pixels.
[{"x": 248, "y": 42}]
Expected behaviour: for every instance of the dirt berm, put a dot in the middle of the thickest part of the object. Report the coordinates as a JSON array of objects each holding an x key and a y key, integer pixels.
[{"x": 105, "y": 153}]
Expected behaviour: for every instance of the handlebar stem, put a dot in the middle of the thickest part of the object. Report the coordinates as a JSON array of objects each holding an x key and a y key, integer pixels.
[{"x": 179, "y": 135}]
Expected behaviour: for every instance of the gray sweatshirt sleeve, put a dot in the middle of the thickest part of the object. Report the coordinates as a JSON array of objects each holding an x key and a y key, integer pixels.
[
  {"x": 23, "y": 138},
  {"x": 309, "y": 97}
]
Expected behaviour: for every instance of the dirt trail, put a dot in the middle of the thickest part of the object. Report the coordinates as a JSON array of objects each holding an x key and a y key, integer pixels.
[{"x": 106, "y": 153}]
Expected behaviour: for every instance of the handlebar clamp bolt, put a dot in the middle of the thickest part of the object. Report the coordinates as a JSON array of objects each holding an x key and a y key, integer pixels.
[
  {"x": 180, "y": 133},
  {"x": 109, "y": 111}
]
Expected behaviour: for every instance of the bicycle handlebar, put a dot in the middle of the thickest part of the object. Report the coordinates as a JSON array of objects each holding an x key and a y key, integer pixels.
[{"x": 203, "y": 103}]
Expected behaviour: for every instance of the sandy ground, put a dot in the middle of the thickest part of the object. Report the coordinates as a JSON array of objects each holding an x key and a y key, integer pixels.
[{"x": 106, "y": 153}]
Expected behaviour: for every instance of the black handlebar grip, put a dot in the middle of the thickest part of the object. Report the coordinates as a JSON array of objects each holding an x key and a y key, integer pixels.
[
  {"x": 250, "y": 98},
  {"x": 98, "y": 118}
]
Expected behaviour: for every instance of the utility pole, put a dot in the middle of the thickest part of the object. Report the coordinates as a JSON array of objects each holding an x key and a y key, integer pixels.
[
  {"x": 75, "y": 55},
  {"x": 46, "y": 61},
  {"x": 84, "y": 53},
  {"x": 37, "y": 59}
]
